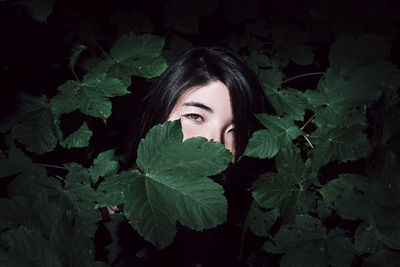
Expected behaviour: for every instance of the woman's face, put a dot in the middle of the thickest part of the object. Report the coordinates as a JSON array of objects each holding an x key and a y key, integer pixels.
[{"x": 206, "y": 111}]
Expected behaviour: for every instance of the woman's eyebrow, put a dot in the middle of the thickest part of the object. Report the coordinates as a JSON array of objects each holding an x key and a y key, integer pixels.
[{"x": 199, "y": 105}]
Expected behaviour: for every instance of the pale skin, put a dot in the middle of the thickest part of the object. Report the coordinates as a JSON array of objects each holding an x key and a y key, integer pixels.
[{"x": 206, "y": 111}]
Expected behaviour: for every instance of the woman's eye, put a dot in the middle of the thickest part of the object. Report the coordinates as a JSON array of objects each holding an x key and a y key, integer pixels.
[{"x": 194, "y": 117}]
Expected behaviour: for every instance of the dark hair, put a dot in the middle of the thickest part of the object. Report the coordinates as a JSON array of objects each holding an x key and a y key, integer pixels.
[{"x": 198, "y": 67}]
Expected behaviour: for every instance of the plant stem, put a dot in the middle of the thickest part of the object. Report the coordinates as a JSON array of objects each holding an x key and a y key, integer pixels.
[
  {"x": 99, "y": 47},
  {"x": 59, "y": 178},
  {"x": 302, "y": 75},
  {"x": 76, "y": 76},
  {"x": 309, "y": 120},
  {"x": 305, "y": 136},
  {"x": 53, "y": 166}
]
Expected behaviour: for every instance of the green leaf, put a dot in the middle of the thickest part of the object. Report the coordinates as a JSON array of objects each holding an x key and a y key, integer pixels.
[
  {"x": 39, "y": 9},
  {"x": 261, "y": 220},
  {"x": 342, "y": 144},
  {"x": 270, "y": 79},
  {"x": 287, "y": 189},
  {"x": 349, "y": 53},
  {"x": 79, "y": 138},
  {"x": 358, "y": 71},
  {"x": 37, "y": 131},
  {"x": 36, "y": 128},
  {"x": 257, "y": 60},
  {"x": 308, "y": 243},
  {"x": 105, "y": 164},
  {"x": 89, "y": 100},
  {"x": 290, "y": 102},
  {"x": 15, "y": 212},
  {"x": 98, "y": 80},
  {"x": 76, "y": 51},
  {"x": 130, "y": 46},
  {"x": 148, "y": 67},
  {"x": 137, "y": 55},
  {"x": 346, "y": 196},
  {"x": 365, "y": 240},
  {"x": 352, "y": 90},
  {"x": 171, "y": 186},
  {"x": 384, "y": 257},
  {"x": 176, "y": 46},
  {"x": 290, "y": 164},
  {"x": 30, "y": 244},
  {"x": 82, "y": 199},
  {"x": 279, "y": 134},
  {"x": 18, "y": 162},
  {"x": 111, "y": 192},
  {"x": 274, "y": 191},
  {"x": 262, "y": 144},
  {"x": 29, "y": 186},
  {"x": 113, "y": 227},
  {"x": 77, "y": 174}
]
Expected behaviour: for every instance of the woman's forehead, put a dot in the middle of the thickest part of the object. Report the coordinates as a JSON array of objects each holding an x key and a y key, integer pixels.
[{"x": 208, "y": 92}]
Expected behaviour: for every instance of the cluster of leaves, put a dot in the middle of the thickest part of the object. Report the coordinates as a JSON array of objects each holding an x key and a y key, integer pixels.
[
  {"x": 303, "y": 209},
  {"x": 297, "y": 193}
]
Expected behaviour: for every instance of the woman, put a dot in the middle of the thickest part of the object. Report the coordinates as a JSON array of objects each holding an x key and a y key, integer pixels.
[
  {"x": 212, "y": 75},
  {"x": 215, "y": 95}
]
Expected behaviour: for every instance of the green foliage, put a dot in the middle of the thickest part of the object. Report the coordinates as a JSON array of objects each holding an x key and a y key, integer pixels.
[
  {"x": 308, "y": 243},
  {"x": 279, "y": 133},
  {"x": 39, "y": 10},
  {"x": 287, "y": 189},
  {"x": 166, "y": 188},
  {"x": 331, "y": 198}
]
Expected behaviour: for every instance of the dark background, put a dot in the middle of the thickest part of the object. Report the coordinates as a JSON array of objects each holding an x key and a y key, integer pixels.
[{"x": 35, "y": 55}]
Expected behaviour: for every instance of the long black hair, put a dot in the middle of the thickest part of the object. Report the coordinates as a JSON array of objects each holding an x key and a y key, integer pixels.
[{"x": 198, "y": 67}]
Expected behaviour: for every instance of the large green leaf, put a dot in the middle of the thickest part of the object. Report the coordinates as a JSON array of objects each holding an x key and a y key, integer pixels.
[
  {"x": 172, "y": 185},
  {"x": 289, "y": 102},
  {"x": 36, "y": 127},
  {"x": 279, "y": 134},
  {"x": 356, "y": 197},
  {"x": 340, "y": 143},
  {"x": 308, "y": 243},
  {"x": 287, "y": 189},
  {"x": 262, "y": 144},
  {"x": 346, "y": 196},
  {"x": 89, "y": 96},
  {"x": 137, "y": 55}
]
